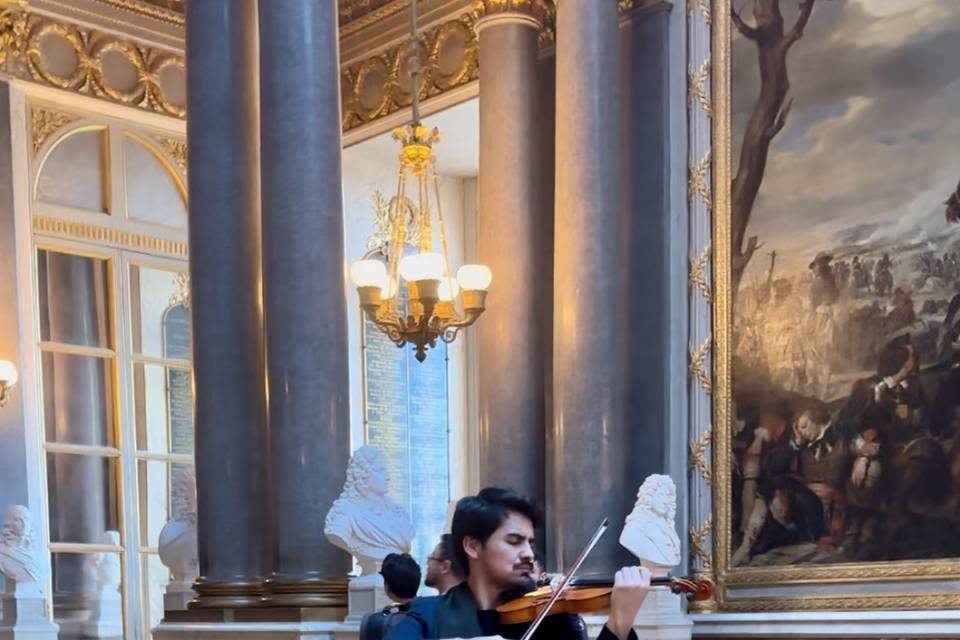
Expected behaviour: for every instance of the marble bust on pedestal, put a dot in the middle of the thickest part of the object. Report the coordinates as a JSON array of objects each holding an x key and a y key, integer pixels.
[
  {"x": 23, "y": 569},
  {"x": 177, "y": 544},
  {"x": 364, "y": 521},
  {"x": 19, "y": 560},
  {"x": 650, "y": 531}
]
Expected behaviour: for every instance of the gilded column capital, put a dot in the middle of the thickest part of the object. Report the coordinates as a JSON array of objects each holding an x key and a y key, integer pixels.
[{"x": 539, "y": 14}]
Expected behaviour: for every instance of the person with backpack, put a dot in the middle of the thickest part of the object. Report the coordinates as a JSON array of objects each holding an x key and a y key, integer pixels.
[{"x": 401, "y": 581}]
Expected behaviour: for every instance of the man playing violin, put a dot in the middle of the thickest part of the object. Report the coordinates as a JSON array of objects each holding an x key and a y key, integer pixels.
[{"x": 492, "y": 542}]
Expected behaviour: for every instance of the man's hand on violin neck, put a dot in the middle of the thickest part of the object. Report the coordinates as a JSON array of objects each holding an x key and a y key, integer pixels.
[{"x": 630, "y": 587}]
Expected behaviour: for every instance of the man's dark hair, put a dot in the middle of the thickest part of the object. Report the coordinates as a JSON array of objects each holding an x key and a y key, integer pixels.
[
  {"x": 479, "y": 516},
  {"x": 401, "y": 575},
  {"x": 445, "y": 548},
  {"x": 446, "y": 551}
]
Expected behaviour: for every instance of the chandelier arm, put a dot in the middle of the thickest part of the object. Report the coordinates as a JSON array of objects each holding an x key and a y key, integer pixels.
[
  {"x": 468, "y": 318},
  {"x": 392, "y": 327}
]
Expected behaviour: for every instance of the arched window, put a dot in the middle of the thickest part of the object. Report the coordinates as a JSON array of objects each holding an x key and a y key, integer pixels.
[{"x": 110, "y": 217}]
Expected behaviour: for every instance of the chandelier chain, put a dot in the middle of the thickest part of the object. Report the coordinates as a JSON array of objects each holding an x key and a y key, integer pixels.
[
  {"x": 399, "y": 239},
  {"x": 443, "y": 230},
  {"x": 414, "y": 63}
]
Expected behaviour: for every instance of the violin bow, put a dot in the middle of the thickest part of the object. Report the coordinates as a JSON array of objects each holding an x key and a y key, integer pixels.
[{"x": 566, "y": 580}]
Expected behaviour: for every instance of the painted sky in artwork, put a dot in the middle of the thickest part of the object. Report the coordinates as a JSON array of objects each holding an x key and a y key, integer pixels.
[{"x": 872, "y": 145}]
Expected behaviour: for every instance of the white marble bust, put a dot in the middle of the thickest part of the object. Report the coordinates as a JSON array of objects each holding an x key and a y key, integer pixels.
[
  {"x": 104, "y": 567},
  {"x": 177, "y": 545},
  {"x": 364, "y": 521},
  {"x": 650, "y": 531},
  {"x": 19, "y": 560}
]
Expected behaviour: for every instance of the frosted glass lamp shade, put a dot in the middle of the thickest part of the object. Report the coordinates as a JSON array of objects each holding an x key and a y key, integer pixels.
[
  {"x": 422, "y": 266},
  {"x": 8, "y": 373},
  {"x": 368, "y": 273},
  {"x": 474, "y": 277}
]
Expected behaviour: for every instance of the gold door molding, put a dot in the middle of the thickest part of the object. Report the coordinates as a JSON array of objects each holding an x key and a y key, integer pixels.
[{"x": 110, "y": 236}]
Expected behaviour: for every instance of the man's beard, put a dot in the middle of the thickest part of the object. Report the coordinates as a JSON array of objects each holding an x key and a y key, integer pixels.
[{"x": 521, "y": 584}]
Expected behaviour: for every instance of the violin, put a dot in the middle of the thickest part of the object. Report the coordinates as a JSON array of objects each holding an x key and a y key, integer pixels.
[{"x": 589, "y": 596}]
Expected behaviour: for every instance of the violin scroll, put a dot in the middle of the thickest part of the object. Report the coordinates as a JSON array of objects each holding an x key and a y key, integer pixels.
[{"x": 697, "y": 590}]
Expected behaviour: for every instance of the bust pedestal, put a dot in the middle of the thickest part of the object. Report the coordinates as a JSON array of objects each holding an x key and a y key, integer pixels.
[
  {"x": 178, "y": 595},
  {"x": 25, "y": 612},
  {"x": 662, "y": 617}
]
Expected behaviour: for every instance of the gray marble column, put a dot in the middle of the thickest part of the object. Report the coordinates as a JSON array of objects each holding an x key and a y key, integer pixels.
[
  {"x": 304, "y": 295},
  {"x": 587, "y": 456},
  {"x": 511, "y": 220},
  {"x": 224, "y": 179}
]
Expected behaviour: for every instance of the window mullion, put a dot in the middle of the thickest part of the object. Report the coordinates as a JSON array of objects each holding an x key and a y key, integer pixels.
[{"x": 127, "y": 443}]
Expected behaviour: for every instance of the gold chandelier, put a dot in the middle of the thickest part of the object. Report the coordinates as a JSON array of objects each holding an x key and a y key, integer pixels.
[{"x": 430, "y": 310}]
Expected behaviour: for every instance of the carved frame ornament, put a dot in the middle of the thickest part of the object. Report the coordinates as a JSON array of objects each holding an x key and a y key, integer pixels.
[{"x": 798, "y": 587}]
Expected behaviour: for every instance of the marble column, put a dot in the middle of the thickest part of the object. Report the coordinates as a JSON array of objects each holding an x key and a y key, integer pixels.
[
  {"x": 511, "y": 221},
  {"x": 304, "y": 295},
  {"x": 228, "y": 357},
  {"x": 586, "y": 445}
]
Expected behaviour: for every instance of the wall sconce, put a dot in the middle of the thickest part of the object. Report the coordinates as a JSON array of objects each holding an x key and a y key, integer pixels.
[{"x": 8, "y": 378}]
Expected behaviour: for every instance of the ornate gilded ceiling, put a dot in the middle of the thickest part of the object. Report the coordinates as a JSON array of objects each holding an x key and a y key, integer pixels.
[
  {"x": 173, "y": 5},
  {"x": 351, "y": 10}
]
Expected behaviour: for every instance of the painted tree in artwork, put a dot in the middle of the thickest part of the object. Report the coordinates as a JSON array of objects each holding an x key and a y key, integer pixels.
[
  {"x": 953, "y": 206},
  {"x": 773, "y": 41}
]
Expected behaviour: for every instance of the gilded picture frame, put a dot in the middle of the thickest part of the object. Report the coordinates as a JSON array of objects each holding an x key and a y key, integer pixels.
[{"x": 874, "y": 585}]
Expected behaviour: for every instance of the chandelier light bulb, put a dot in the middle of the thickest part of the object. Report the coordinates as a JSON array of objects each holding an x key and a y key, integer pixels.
[
  {"x": 449, "y": 288},
  {"x": 422, "y": 266},
  {"x": 474, "y": 277},
  {"x": 368, "y": 273}
]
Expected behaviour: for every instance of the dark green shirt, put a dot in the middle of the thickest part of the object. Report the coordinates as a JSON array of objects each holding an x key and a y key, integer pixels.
[{"x": 455, "y": 615}]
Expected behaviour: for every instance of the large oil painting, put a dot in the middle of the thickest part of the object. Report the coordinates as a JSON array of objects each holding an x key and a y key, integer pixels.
[{"x": 844, "y": 278}]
